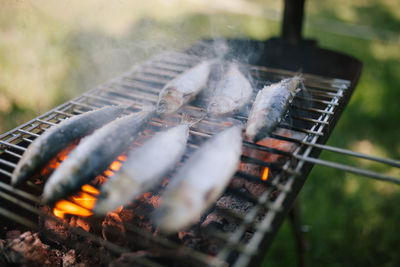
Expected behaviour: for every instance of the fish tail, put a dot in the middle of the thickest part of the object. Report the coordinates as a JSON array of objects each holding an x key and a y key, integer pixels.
[{"x": 192, "y": 120}]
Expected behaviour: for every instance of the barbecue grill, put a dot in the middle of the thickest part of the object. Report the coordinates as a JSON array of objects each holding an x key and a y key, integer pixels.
[{"x": 240, "y": 226}]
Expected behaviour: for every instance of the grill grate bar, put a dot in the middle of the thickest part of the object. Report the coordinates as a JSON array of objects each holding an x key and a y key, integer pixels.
[
  {"x": 83, "y": 105},
  {"x": 19, "y": 192},
  {"x": 19, "y": 203},
  {"x": 317, "y": 101},
  {"x": 7, "y": 163},
  {"x": 309, "y": 120},
  {"x": 46, "y": 122},
  {"x": 5, "y": 172},
  {"x": 321, "y": 93},
  {"x": 20, "y": 148},
  {"x": 391, "y": 162},
  {"x": 29, "y": 133},
  {"x": 351, "y": 169},
  {"x": 291, "y": 127},
  {"x": 66, "y": 114},
  {"x": 316, "y": 110},
  {"x": 17, "y": 218},
  {"x": 12, "y": 154}
]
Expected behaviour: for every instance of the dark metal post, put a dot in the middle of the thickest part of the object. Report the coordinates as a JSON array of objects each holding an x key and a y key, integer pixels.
[
  {"x": 301, "y": 242},
  {"x": 293, "y": 20}
]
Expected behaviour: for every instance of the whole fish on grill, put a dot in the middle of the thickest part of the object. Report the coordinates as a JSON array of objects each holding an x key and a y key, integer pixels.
[
  {"x": 52, "y": 141},
  {"x": 200, "y": 181},
  {"x": 183, "y": 88},
  {"x": 270, "y": 106},
  {"x": 145, "y": 167},
  {"x": 231, "y": 93},
  {"x": 94, "y": 154}
]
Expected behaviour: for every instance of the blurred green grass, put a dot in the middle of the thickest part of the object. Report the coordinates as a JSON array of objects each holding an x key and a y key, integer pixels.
[{"x": 52, "y": 51}]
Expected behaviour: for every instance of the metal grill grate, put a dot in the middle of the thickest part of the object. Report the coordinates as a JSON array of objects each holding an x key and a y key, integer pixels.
[{"x": 311, "y": 116}]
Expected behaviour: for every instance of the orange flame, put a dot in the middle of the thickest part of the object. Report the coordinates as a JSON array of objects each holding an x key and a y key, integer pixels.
[
  {"x": 84, "y": 201},
  {"x": 63, "y": 207},
  {"x": 264, "y": 176},
  {"x": 90, "y": 189}
]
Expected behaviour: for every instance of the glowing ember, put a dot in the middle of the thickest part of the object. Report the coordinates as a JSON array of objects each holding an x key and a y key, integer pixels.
[
  {"x": 66, "y": 207},
  {"x": 109, "y": 173},
  {"x": 122, "y": 158},
  {"x": 90, "y": 189},
  {"x": 85, "y": 200},
  {"x": 115, "y": 166},
  {"x": 264, "y": 176}
]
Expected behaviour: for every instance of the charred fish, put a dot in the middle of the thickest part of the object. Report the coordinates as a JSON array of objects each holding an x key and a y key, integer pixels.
[
  {"x": 183, "y": 88},
  {"x": 200, "y": 181},
  {"x": 93, "y": 155},
  {"x": 52, "y": 141},
  {"x": 270, "y": 106},
  {"x": 231, "y": 93},
  {"x": 144, "y": 167}
]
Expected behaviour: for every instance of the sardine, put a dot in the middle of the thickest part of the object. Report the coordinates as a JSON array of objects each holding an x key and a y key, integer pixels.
[
  {"x": 200, "y": 181},
  {"x": 52, "y": 141},
  {"x": 93, "y": 155},
  {"x": 183, "y": 88},
  {"x": 270, "y": 106},
  {"x": 144, "y": 168},
  {"x": 231, "y": 93}
]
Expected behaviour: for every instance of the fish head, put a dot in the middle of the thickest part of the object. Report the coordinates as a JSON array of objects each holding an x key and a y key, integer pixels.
[
  {"x": 117, "y": 191},
  {"x": 221, "y": 105},
  {"x": 170, "y": 100},
  {"x": 294, "y": 84},
  {"x": 54, "y": 192}
]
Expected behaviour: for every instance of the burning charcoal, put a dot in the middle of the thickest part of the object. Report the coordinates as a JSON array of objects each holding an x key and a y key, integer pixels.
[
  {"x": 55, "y": 231},
  {"x": 235, "y": 204},
  {"x": 224, "y": 221},
  {"x": 213, "y": 220},
  {"x": 69, "y": 259},
  {"x": 79, "y": 222},
  {"x": 113, "y": 228},
  {"x": 28, "y": 250},
  {"x": 252, "y": 169},
  {"x": 13, "y": 234},
  {"x": 256, "y": 189},
  {"x": 237, "y": 183},
  {"x": 190, "y": 238}
]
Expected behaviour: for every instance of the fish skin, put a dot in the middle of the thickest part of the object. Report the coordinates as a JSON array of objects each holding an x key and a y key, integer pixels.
[
  {"x": 145, "y": 167},
  {"x": 183, "y": 88},
  {"x": 93, "y": 155},
  {"x": 270, "y": 105},
  {"x": 200, "y": 181},
  {"x": 52, "y": 141},
  {"x": 231, "y": 93}
]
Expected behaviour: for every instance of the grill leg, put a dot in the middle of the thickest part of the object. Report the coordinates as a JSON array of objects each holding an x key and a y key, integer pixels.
[{"x": 301, "y": 242}]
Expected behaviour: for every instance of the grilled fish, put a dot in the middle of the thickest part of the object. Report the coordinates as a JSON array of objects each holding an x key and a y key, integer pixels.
[
  {"x": 200, "y": 181},
  {"x": 183, "y": 88},
  {"x": 271, "y": 104},
  {"x": 231, "y": 93},
  {"x": 144, "y": 167},
  {"x": 93, "y": 155},
  {"x": 52, "y": 141}
]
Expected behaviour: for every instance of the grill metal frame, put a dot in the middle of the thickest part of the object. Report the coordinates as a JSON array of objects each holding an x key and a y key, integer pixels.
[{"x": 140, "y": 85}]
